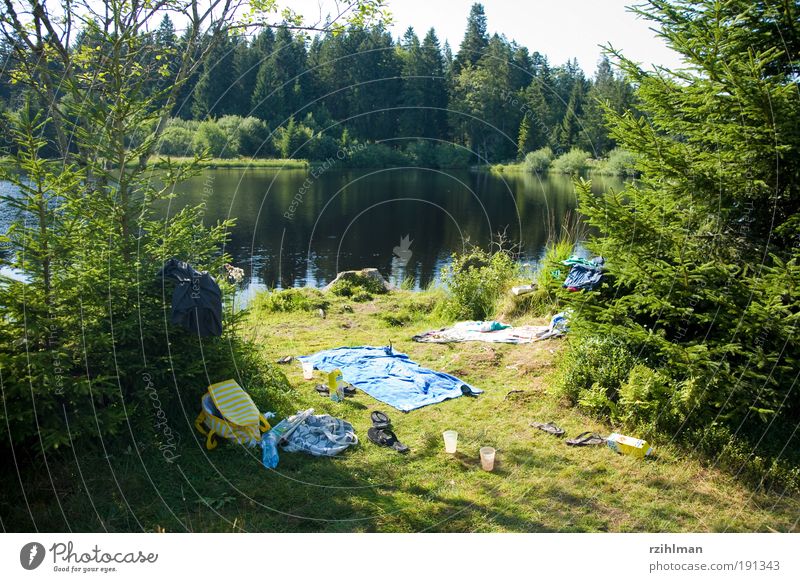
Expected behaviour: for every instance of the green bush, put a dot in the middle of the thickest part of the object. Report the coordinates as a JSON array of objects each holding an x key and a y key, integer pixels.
[
  {"x": 621, "y": 163},
  {"x": 411, "y": 308},
  {"x": 376, "y": 155},
  {"x": 291, "y": 300},
  {"x": 452, "y": 156},
  {"x": 254, "y": 138},
  {"x": 323, "y": 147},
  {"x": 574, "y": 161},
  {"x": 357, "y": 287},
  {"x": 428, "y": 154},
  {"x": 176, "y": 140},
  {"x": 539, "y": 161},
  {"x": 591, "y": 372},
  {"x": 231, "y": 127},
  {"x": 476, "y": 281},
  {"x": 210, "y": 138},
  {"x": 291, "y": 140},
  {"x": 545, "y": 300},
  {"x": 646, "y": 400}
]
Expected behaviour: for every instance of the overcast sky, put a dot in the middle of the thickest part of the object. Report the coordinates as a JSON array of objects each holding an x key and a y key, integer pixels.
[{"x": 560, "y": 29}]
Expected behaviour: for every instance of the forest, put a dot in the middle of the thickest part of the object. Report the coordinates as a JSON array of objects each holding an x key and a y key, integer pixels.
[{"x": 281, "y": 93}]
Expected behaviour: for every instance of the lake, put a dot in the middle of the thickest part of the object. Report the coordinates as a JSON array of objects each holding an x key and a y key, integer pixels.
[{"x": 300, "y": 227}]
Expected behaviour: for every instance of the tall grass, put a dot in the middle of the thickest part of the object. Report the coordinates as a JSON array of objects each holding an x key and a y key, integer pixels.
[{"x": 549, "y": 274}]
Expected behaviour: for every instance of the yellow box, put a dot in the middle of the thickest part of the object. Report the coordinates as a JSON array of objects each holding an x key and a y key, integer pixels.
[{"x": 626, "y": 445}]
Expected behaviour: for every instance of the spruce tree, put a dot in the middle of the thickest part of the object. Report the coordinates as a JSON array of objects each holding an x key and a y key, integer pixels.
[
  {"x": 476, "y": 39},
  {"x": 702, "y": 252}
]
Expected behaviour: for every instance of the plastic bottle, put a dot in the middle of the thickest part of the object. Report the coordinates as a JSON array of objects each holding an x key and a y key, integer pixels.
[
  {"x": 271, "y": 438},
  {"x": 269, "y": 450}
]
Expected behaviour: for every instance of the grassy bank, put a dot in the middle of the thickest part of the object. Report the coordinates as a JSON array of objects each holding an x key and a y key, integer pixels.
[
  {"x": 539, "y": 484},
  {"x": 278, "y": 163}
]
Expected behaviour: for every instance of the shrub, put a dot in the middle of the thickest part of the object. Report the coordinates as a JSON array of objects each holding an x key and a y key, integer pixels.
[
  {"x": 290, "y": 140},
  {"x": 574, "y": 161},
  {"x": 323, "y": 147},
  {"x": 539, "y": 161},
  {"x": 254, "y": 138},
  {"x": 410, "y": 308},
  {"x": 476, "y": 281},
  {"x": 422, "y": 153},
  {"x": 231, "y": 127},
  {"x": 176, "y": 140},
  {"x": 621, "y": 163},
  {"x": 291, "y": 300},
  {"x": 357, "y": 287},
  {"x": 550, "y": 273},
  {"x": 376, "y": 155},
  {"x": 211, "y": 139},
  {"x": 646, "y": 399},
  {"x": 452, "y": 156},
  {"x": 591, "y": 372}
]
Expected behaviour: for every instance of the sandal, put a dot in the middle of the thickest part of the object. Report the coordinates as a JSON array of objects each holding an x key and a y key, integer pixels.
[
  {"x": 322, "y": 389},
  {"x": 466, "y": 391},
  {"x": 586, "y": 439},
  {"x": 549, "y": 427},
  {"x": 349, "y": 390},
  {"x": 383, "y": 437},
  {"x": 380, "y": 420},
  {"x": 285, "y": 360}
]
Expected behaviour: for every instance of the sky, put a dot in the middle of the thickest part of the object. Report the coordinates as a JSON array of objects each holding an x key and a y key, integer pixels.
[{"x": 559, "y": 29}]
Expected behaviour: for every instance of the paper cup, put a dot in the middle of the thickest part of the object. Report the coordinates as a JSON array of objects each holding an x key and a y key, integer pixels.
[
  {"x": 487, "y": 458},
  {"x": 450, "y": 441},
  {"x": 308, "y": 371}
]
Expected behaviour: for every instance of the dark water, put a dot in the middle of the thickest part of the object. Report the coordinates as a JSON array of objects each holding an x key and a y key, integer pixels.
[{"x": 297, "y": 227}]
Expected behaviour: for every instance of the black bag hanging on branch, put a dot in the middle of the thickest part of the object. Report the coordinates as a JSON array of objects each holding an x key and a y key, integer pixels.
[{"x": 196, "y": 299}]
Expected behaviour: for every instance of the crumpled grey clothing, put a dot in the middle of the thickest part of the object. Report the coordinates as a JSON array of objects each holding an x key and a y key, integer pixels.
[
  {"x": 321, "y": 435},
  {"x": 196, "y": 299}
]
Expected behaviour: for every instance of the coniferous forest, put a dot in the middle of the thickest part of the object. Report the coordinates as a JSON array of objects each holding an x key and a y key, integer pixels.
[{"x": 281, "y": 93}]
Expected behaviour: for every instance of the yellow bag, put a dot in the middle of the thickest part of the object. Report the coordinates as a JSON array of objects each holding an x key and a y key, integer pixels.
[{"x": 228, "y": 411}]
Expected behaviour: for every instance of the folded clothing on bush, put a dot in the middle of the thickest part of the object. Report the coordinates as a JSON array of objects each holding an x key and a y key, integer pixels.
[
  {"x": 584, "y": 274},
  {"x": 389, "y": 376}
]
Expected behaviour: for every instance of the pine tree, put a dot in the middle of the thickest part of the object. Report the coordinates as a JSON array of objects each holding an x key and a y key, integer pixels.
[
  {"x": 436, "y": 95},
  {"x": 280, "y": 82},
  {"x": 702, "y": 252},
  {"x": 476, "y": 39},
  {"x": 567, "y": 132},
  {"x": 214, "y": 94},
  {"x": 524, "y": 138},
  {"x": 606, "y": 91}
]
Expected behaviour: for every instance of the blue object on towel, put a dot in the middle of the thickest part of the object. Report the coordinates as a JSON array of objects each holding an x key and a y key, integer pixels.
[{"x": 389, "y": 376}]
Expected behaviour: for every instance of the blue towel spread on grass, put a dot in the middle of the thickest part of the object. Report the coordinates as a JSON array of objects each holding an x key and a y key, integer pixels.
[{"x": 389, "y": 376}]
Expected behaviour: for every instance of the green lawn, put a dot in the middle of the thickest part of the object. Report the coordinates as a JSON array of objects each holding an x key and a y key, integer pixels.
[{"x": 539, "y": 484}]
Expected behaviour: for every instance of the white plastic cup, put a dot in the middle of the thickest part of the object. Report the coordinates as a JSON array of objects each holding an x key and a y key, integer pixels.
[
  {"x": 450, "y": 441},
  {"x": 487, "y": 458},
  {"x": 308, "y": 371}
]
